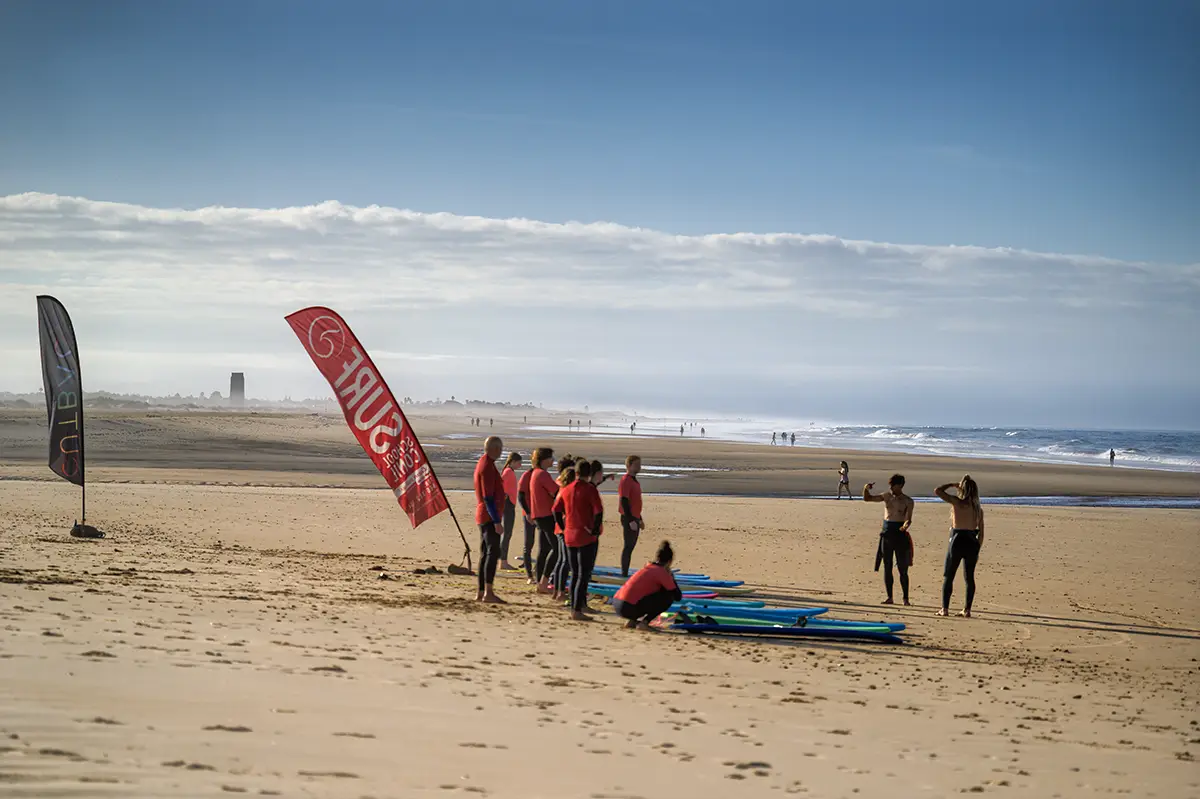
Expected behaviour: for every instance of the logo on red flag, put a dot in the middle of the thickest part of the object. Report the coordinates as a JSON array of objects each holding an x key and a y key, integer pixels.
[{"x": 371, "y": 411}]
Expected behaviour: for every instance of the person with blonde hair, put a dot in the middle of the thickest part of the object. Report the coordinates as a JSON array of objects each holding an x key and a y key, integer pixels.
[{"x": 966, "y": 538}]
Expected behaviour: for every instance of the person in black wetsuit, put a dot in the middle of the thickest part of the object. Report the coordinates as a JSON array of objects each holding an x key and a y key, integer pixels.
[
  {"x": 894, "y": 542},
  {"x": 966, "y": 538}
]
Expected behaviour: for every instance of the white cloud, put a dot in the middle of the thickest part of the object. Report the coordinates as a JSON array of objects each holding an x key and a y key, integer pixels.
[{"x": 456, "y": 292}]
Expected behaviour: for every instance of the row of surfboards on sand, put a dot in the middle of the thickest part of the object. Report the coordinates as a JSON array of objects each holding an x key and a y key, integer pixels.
[{"x": 718, "y": 606}]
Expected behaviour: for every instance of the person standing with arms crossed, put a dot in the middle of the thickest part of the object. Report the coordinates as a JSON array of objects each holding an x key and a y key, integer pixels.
[
  {"x": 894, "y": 542},
  {"x": 629, "y": 493},
  {"x": 966, "y": 538},
  {"x": 489, "y": 499}
]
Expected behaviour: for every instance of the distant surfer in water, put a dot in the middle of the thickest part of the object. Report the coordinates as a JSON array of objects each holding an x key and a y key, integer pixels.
[
  {"x": 542, "y": 491},
  {"x": 650, "y": 593},
  {"x": 580, "y": 514},
  {"x": 509, "y": 477},
  {"x": 489, "y": 499},
  {"x": 966, "y": 538},
  {"x": 629, "y": 493},
  {"x": 844, "y": 480},
  {"x": 894, "y": 542}
]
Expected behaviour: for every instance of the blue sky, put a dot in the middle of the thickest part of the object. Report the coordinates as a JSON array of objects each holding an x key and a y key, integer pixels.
[
  {"x": 1063, "y": 127},
  {"x": 879, "y": 133}
]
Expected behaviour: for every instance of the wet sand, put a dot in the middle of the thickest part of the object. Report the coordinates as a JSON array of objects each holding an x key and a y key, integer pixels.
[
  {"x": 239, "y": 638},
  {"x": 313, "y": 449}
]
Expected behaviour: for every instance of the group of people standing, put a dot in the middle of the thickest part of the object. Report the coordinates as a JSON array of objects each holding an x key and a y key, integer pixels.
[
  {"x": 895, "y": 543},
  {"x": 563, "y": 515}
]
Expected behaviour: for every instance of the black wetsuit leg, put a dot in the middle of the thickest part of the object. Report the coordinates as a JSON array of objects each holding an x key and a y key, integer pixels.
[
  {"x": 964, "y": 549},
  {"x": 656, "y": 604},
  {"x": 895, "y": 547},
  {"x": 563, "y": 567},
  {"x": 531, "y": 533},
  {"x": 510, "y": 520},
  {"x": 631, "y": 539},
  {"x": 583, "y": 560},
  {"x": 547, "y": 557},
  {"x": 489, "y": 548}
]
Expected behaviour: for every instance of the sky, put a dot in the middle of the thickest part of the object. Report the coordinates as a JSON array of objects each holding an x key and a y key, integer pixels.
[{"x": 934, "y": 212}]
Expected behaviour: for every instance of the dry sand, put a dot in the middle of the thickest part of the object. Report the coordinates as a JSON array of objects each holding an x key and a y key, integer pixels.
[{"x": 235, "y": 639}]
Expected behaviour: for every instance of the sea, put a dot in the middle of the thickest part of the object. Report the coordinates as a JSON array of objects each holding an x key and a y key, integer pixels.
[{"x": 1141, "y": 449}]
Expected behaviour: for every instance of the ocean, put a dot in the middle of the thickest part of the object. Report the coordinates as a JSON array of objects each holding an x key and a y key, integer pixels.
[{"x": 1141, "y": 449}]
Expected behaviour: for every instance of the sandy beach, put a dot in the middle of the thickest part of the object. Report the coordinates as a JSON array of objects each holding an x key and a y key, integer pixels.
[{"x": 233, "y": 634}]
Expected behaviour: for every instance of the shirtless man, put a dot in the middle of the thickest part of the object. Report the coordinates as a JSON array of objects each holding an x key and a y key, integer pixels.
[{"x": 893, "y": 539}]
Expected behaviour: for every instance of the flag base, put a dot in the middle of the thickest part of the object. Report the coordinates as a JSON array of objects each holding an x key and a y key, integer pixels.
[{"x": 85, "y": 531}]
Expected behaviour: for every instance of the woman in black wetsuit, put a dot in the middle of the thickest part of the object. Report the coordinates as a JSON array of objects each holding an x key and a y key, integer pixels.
[{"x": 966, "y": 538}]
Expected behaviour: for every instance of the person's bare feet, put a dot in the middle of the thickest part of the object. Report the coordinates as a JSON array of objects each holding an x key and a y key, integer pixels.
[
  {"x": 644, "y": 627},
  {"x": 577, "y": 616},
  {"x": 944, "y": 612},
  {"x": 505, "y": 566},
  {"x": 887, "y": 601},
  {"x": 907, "y": 603},
  {"x": 544, "y": 589},
  {"x": 966, "y": 614},
  {"x": 479, "y": 597},
  {"x": 531, "y": 581},
  {"x": 631, "y": 625},
  {"x": 490, "y": 598}
]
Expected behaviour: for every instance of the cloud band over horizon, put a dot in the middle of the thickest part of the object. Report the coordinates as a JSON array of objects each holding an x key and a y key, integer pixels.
[{"x": 516, "y": 309}]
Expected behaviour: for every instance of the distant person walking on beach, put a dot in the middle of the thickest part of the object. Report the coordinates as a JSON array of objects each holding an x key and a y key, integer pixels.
[
  {"x": 509, "y": 477},
  {"x": 629, "y": 493},
  {"x": 844, "y": 481},
  {"x": 650, "y": 593},
  {"x": 966, "y": 538},
  {"x": 632, "y": 427},
  {"x": 793, "y": 439},
  {"x": 1112, "y": 457},
  {"x": 702, "y": 433},
  {"x": 680, "y": 429},
  {"x": 489, "y": 499},
  {"x": 894, "y": 542},
  {"x": 772, "y": 439}
]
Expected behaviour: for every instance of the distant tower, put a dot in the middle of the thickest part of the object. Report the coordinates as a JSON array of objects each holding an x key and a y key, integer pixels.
[{"x": 237, "y": 389}]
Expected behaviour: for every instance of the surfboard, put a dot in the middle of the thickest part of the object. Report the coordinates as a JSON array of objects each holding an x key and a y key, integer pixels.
[
  {"x": 789, "y": 632},
  {"x": 617, "y": 579},
  {"x": 825, "y": 624}
]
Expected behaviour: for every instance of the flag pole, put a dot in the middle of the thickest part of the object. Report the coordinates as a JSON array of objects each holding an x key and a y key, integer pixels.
[{"x": 449, "y": 507}]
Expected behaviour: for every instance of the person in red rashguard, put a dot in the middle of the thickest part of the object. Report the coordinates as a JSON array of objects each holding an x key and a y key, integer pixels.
[
  {"x": 527, "y": 516},
  {"x": 580, "y": 513},
  {"x": 629, "y": 492},
  {"x": 509, "y": 477},
  {"x": 489, "y": 500},
  {"x": 649, "y": 593},
  {"x": 562, "y": 567},
  {"x": 542, "y": 491}
]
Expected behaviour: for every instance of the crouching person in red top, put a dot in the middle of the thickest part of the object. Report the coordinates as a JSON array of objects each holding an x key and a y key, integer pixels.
[
  {"x": 489, "y": 506},
  {"x": 649, "y": 593},
  {"x": 580, "y": 513}
]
